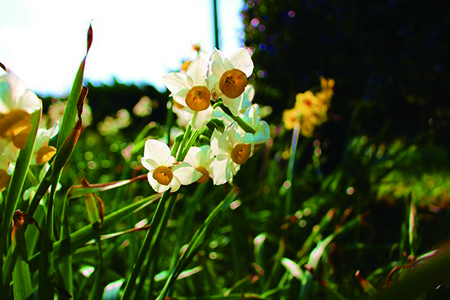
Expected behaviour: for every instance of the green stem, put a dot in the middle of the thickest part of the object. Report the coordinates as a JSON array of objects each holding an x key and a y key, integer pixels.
[
  {"x": 186, "y": 137},
  {"x": 176, "y": 144},
  {"x": 169, "y": 120},
  {"x": 247, "y": 128},
  {"x": 290, "y": 170}
]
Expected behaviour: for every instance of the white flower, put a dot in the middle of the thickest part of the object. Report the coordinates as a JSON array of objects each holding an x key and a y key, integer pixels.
[
  {"x": 42, "y": 151},
  {"x": 8, "y": 156},
  {"x": 16, "y": 105},
  {"x": 191, "y": 91},
  {"x": 231, "y": 148},
  {"x": 164, "y": 171},
  {"x": 201, "y": 159},
  {"x": 227, "y": 78},
  {"x": 247, "y": 98},
  {"x": 252, "y": 118},
  {"x": 15, "y": 96}
]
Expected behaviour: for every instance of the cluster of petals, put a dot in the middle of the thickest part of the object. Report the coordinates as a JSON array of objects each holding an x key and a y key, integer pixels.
[
  {"x": 310, "y": 109},
  {"x": 16, "y": 106},
  {"x": 231, "y": 149},
  {"x": 164, "y": 171},
  {"x": 194, "y": 90},
  {"x": 205, "y": 81}
]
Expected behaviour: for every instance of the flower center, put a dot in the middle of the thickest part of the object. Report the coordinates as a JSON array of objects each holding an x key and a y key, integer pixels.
[
  {"x": 205, "y": 176},
  {"x": 232, "y": 83},
  {"x": 45, "y": 154},
  {"x": 163, "y": 175},
  {"x": 4, "y": 179},
  {"x": 198, "y": 98},
  {"x": 14, "y": 123},
  {"x": 240, "y": 153},
  {"x": 20, "y": 140}
]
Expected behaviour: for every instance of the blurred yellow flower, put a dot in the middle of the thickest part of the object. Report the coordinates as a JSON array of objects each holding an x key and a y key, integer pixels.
[{"x": 310, "y": 109}]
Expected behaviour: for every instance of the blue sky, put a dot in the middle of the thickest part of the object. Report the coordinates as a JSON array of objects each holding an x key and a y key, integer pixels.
[{"x": 137, "y": 41}]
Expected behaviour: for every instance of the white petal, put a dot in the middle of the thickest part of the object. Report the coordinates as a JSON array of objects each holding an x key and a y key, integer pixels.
[
  {"x": 242, "y": 60},
  {"x": 159, "y": 152},
  {"x": 159, "y": 188},
  {"x": 222, "y": 171},
  {"x": 191, "y": 156},
  {"x": 175, "y": 185},
  {"x": 205, "y": 156},
  {"x": 197, "y": 72},
  {"x": 218, "y": 68},
  {"x": 233, "y": 104},
  {"x": 216, "y": 55},
  {"x": 149, "y": 164},
  {"x": 185, "y": 173},
  {"x": 215, "y": 137},
  {"x": 202, "y": 118},
  {"x": 29, "y": 102},
  {"x": 262, "y": 135},
  {"x": 180, "y": 96},
  {"x": 176, "y": 82}
]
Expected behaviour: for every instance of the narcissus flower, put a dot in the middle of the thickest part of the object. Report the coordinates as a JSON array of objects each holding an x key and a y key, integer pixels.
[
  {"x": 232, "y": 148},
  {"x": 8, "y": 156},
  {"x": 164, "y": 171},
  {"x": 201, "y": 159},
  {"x": 252, "y": 118},
  {"x": 16, "y": 105},
  {"x": 227, "y": 78},
  {"x": 191, "y": 91},
  {"x": 42, "y": 151}
]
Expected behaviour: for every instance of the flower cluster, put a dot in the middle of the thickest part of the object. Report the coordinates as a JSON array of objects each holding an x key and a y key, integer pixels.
[
  {"x": 310, "y": 109},
  {"x": 213, "y": 93},
  {"x": 16, "y": 106}
]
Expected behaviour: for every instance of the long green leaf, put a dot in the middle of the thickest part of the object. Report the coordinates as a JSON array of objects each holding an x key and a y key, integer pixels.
[
  {"x": 15, "y": 189},
  {"x": 70, "y": 112}
]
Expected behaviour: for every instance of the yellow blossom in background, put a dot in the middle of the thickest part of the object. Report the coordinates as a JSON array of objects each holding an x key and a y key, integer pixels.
[{"x": 310, "y": 109}]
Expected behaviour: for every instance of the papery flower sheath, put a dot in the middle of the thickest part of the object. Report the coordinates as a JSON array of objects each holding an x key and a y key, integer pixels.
[{"x": 164, "y": 171}]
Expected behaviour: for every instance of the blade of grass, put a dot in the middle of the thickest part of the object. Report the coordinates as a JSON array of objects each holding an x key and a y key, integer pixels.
[
  {"x": 198, "y": 241},
  {"x": 157, "y": 216},
  {"x": 424, "y": 277},
  {"x": 150, "y": 264},
  {"x": 80, "y": 237},
  {"x": 23, "y": 288}
]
